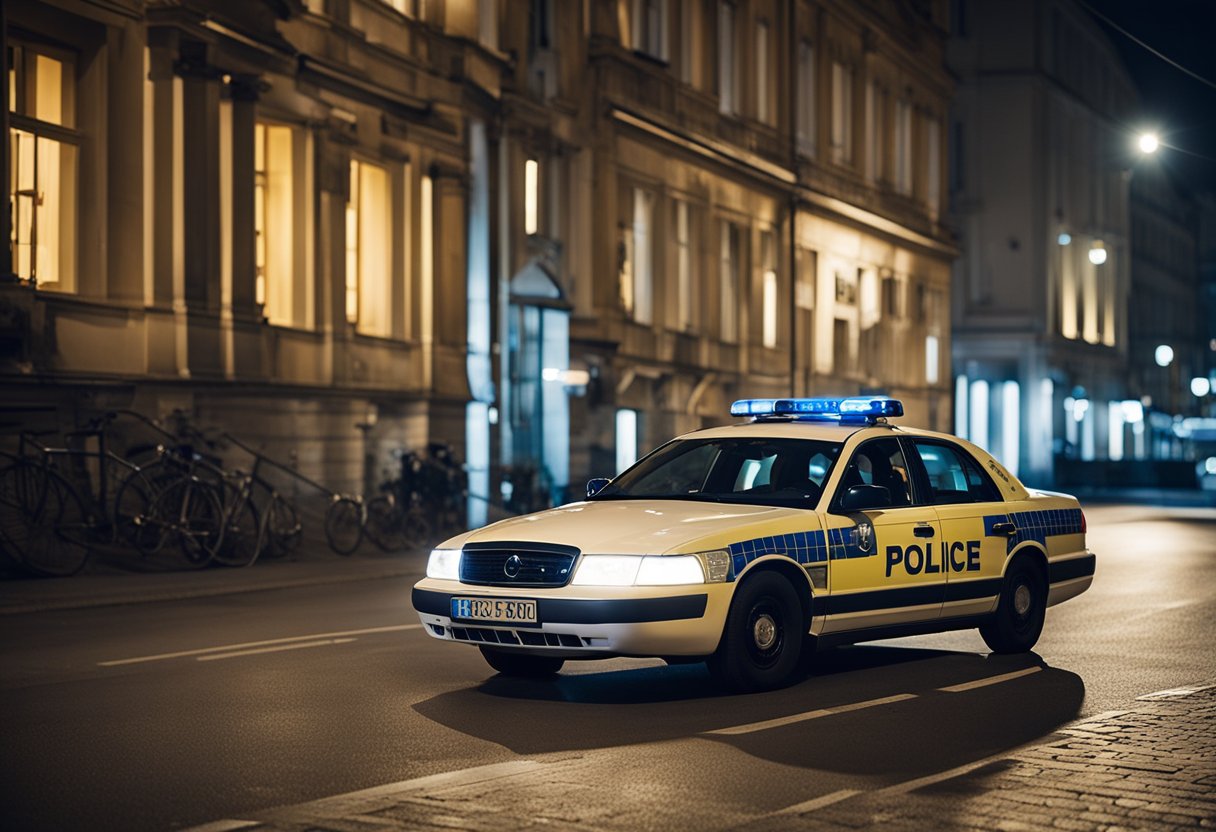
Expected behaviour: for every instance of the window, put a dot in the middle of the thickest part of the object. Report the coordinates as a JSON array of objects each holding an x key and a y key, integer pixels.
[
  {"x": 806, "y": 99},
  {"x": 487, "y": 23},
  {"x": 368, "y": 287},
  {"x": 875, "y": 131},
  {"x": 932, "y": 360},
  {"x": 768, "y": 289},
  {"x": 842, "y": 113},
  {"x": 727, "y": 73},
  {"x": 749, "y": 470},
  {"x": 531, "y": 196},
  {"x": 43, "y": 154},
  {"x": 639, "y": 294},
  {"x": 728, "y": 283},
  {"x": 954, "y": 477},
  {"x": 764, "y": 108},
  {"x": 691, "y": 61},
  {"x": 892, "y": 297},
  {"x": 903, "y": 147},
  {"x": 274, "y": 222},
  {"x": 870, "y": 311},
  {"x": 879, "y": 462},
  {"x": 933, "y": 188},
  {"x": 684, "y": 253},
  {"x": 626, "y": 438},
  {"x": 650, "y": 27}
]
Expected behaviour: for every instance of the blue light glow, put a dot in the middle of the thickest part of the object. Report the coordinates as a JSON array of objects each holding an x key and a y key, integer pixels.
[{"x": 858, "y": 409}]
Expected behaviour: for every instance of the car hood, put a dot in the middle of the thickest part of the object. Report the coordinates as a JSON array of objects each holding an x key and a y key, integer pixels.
[{"x": 636, "y": 527}]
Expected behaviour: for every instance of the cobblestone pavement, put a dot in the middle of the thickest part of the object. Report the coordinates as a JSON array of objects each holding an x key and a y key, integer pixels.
[{"x": 1151, "y": 766}]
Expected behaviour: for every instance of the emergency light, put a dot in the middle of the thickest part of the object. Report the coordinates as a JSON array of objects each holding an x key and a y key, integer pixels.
[{"x": 855, "y": 410}]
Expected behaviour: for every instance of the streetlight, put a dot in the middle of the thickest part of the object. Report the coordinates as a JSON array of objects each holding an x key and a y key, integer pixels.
[
  {"x": 1149, "y": 143},
  {"x": 1097, "y": 254},
  {"x": 1200, "y": 386},
  {"x": 1164, "y": 355}
]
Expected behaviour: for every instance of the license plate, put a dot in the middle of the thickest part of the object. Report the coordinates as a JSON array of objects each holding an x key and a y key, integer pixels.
[{"x": 494, "y": 609}]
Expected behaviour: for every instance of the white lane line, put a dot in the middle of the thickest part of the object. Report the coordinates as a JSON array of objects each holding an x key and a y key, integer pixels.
[
  {"x": 278, "y": 648},
  {"x": 789, "y": 720},
  {"x": 224, "y": 648},
  {"x": 991, "y": 680},
  {"x": 817, "y": 803},
  {"x": 225, "y": 825}
]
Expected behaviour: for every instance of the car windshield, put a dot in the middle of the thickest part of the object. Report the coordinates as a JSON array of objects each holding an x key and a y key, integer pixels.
[{"x": 755, "y": 470}]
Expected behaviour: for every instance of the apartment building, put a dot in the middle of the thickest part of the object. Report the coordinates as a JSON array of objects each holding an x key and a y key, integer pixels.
[{"x": 551, "y": 233}]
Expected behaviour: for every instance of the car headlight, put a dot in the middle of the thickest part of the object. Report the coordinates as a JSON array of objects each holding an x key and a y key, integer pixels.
[
  {"x": 638, "y": 570},
  {"x": 444, "y": 564}
]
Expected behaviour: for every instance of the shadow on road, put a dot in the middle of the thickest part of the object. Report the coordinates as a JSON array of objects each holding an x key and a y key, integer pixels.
[{"x": 933, "y": 731}]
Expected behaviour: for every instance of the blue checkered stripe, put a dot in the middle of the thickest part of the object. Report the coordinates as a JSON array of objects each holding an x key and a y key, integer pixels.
[
  {"x": 802, "y": 547},
  {"x": 1036, "y": 525}
]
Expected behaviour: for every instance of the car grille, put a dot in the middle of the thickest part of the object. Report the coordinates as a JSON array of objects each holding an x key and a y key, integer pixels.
[
  {"x": 485, "y": 635},
  {"x": 517, "y": 564}
]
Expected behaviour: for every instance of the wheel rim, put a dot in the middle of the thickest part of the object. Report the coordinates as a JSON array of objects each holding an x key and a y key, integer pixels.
[
  {"x": 765, "y": 633},
  {"x": 1022, "y": 598}
]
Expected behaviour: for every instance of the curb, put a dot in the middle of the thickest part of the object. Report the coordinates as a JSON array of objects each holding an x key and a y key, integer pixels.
[{"x": 145, "y": 596}]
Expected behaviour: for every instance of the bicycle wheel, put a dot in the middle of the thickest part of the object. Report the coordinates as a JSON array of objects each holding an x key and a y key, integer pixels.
[
  {"x": 189, "y": 514},
  {"x": 242, "y": 538},
  {"x": 43, "y": 522},
  {"x": 132, "y": 514},
  {"x": 344, "y": 525},
  {"x": 283, "y": 528},
  {"x": 417, "y": 529},
  {"x": 385, "y": 524}
]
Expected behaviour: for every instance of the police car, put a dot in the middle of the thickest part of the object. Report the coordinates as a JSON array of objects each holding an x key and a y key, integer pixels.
[{"x": 814, "y": 522}]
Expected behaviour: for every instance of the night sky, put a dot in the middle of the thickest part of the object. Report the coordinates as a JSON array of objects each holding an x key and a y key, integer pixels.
[{"x": 1182, "y": 109}]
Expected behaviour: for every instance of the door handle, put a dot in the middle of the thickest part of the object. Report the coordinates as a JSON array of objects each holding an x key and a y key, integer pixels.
[
  {"x": 923, "y": 531},
  {"x": 1007, "y": 529}
]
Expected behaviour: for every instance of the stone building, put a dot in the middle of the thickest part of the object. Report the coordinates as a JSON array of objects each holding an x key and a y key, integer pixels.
[{"x": 552, "y": 233}]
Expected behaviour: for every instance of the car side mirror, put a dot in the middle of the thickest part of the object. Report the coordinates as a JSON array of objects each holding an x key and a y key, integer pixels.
[
  {"x": 596, "y": 485},
  {"x": 864, "y": 497}
]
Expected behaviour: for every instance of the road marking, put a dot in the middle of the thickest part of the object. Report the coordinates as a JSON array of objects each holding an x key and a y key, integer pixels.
[
  {"x": 225, "y": 648},
  {"x": 278, "y": 648},
  {"x": 789, "y": 720},
  {"x": 1173, "y": 693},
  {"x": 226, "y": 825},
  {"x": 991, "y": 680},
  {"x": 817, "y": 803}
]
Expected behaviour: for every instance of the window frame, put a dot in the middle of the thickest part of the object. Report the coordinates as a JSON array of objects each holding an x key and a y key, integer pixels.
[{"x": 922, "y": 473}]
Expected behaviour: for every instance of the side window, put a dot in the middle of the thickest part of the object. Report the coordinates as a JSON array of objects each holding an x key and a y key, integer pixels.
[
  {"x": 954, "y": 477},
  {"x": 879, "y": 462}
]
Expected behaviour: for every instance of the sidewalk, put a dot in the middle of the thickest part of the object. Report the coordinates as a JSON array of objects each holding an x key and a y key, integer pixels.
[
  {"x": 1152, "y": 766},
  {"x": 106, "y": 584}
]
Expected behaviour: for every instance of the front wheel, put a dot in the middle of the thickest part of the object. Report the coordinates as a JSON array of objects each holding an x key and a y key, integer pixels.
[
  {"x": 762, "y": 642},
  {"x": 521, "y": 664},
  {"x": 1018, "y": 621},
  {"x": 344, "y": 525}
]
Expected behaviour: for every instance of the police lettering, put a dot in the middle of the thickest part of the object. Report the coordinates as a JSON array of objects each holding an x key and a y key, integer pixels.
[{"x": 948, "y": 557}]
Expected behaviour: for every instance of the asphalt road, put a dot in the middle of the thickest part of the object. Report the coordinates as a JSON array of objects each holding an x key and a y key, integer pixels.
[{"x": 350, "y": 694}]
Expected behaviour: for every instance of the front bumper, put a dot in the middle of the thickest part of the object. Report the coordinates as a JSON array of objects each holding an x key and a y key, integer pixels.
[{"x": 586, "y": 622}]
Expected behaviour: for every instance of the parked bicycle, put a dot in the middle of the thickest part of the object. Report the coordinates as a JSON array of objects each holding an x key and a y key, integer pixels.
[{"x": 424, "y": 503}]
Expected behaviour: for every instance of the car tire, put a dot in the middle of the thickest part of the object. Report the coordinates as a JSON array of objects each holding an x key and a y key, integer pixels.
[
  {"x": 1018, "y": 621},
  {"x": 762, "y": 642},
  {"x": 510, "y": 663}
]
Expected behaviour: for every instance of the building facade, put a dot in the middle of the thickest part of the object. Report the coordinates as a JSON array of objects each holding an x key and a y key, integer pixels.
[
  {"x": 552, "y": 234},
  {"x": 1042, "y": 159}
]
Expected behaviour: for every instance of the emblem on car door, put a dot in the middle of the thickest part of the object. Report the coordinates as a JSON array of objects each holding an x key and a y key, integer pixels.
[{"x": 865, "y": 536}]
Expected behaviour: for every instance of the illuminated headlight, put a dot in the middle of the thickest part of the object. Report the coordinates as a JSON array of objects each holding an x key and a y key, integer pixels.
[
  {"x": 638, "y": 570},
  {"x": 444, "y": 564}
]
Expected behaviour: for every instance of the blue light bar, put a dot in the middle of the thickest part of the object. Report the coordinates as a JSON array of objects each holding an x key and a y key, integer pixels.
[{"x": 858, "y": 409}]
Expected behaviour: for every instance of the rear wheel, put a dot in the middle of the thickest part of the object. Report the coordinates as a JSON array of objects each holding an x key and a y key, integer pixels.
[
  {"x": 43, "y": 523},
  {"x": 762, "y": 642},
  {"x": 344, "y": 525},
  {"x": 385, "y": 525},
  {"x": 1018, "y": 621},
  {"x": 521, "y": 664}
]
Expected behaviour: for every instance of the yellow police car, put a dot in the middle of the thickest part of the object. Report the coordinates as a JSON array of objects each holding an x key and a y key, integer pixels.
[{"x": 814, "y": 522}]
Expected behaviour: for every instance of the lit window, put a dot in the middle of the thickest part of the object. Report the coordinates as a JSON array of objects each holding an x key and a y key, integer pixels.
[
  {"x": 806, "y": 99},
  {"x": 870, "y": 298},
  {"x": 274, "y": 222},
  {"x": 903, "y": 147},
  {"x": 487, "y": 23},
  {"x": 768, "y": 290},
  {"x": 842, "y": 113},
  {"x": 728, "y": 278},
  {"x": 368, "y": 287},
  {"x": 727, "y": 75},
  {"x": 43, "y": 153},
  {"x": 684, "y": 300},
  {"x": 650, "y": 27},
  {"x": 531, "y": 196},
  {"x": 643, "y": 216},
  {"x": 932, "y": 360},
  {"x": 763, "y": 69},
  {"x": 626, "y": 438}
]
